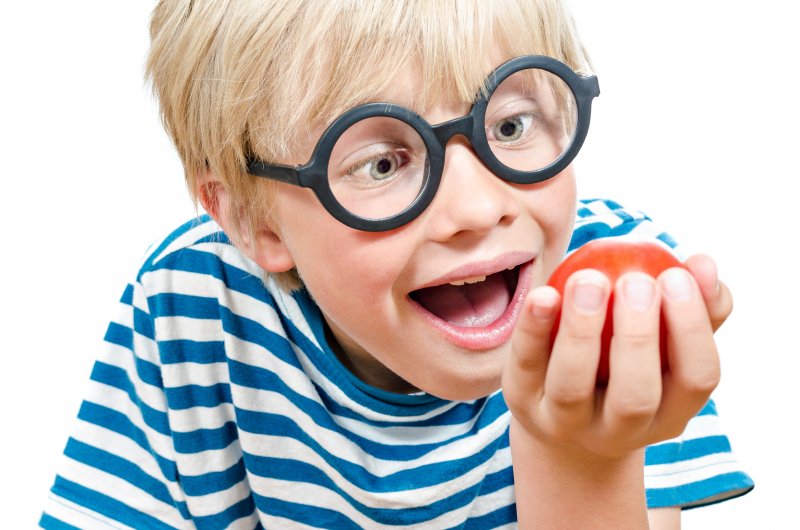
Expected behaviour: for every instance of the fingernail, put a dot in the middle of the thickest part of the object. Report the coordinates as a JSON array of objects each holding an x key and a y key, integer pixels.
[
  {"x": 639, "y": 292},
  {"x": 676, "y": 284},
  {"x": 588, "y": 294}
]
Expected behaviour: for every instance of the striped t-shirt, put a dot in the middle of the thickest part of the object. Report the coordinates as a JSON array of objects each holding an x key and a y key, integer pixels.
[{"x": 217, "y": 403}]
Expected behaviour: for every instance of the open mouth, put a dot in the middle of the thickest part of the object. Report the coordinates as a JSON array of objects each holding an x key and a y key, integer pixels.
[{"x": 476, "y": 302}]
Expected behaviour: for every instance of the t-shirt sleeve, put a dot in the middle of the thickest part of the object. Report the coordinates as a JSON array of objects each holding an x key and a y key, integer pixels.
[
  {"x": 118, "y": 469},
  {"x": 698, "y": 467}
]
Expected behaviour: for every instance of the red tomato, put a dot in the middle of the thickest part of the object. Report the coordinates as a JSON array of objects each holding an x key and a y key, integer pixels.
[{"x": 614, "y": 257}]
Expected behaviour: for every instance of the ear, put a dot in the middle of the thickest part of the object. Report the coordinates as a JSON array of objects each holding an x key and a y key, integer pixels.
[{"x": 264, "y": 246}]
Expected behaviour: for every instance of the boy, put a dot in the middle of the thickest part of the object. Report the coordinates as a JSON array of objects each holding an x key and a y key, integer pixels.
[{"x": 402, "y": 172}]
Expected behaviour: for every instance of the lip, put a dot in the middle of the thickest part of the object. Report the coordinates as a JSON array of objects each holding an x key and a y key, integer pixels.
[{"x": 498, "y": 332}]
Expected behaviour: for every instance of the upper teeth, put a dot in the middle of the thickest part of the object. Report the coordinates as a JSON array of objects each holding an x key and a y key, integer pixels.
[{"x": 474, "y": 279}]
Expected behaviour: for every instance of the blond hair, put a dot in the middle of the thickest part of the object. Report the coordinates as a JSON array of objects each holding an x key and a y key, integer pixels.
[{"x": 250, "y": 78}]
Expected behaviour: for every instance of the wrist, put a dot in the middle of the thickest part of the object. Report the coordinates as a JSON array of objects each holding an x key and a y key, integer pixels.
[{"x": 565, "y": 486}]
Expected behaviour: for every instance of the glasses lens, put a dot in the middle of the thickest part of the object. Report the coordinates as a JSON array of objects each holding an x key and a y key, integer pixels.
[
  {"x": 530, "y": 119},
  {"x": 378, "y": 167}
]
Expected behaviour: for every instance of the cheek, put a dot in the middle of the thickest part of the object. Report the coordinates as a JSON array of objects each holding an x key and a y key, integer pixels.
[
  {"x": 554, "y": 209},
  {"x": 332, "y": 258}
]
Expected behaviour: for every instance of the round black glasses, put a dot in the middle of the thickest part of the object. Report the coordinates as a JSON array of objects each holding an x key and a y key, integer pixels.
[{"x": 378, "y": 166}]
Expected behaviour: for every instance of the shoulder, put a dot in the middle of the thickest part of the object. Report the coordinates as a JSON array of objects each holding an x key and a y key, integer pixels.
[
  {"x": 199, "y": 250},
  {"x": 196, "y": 273},
  {"x": 598, "y": 218}
]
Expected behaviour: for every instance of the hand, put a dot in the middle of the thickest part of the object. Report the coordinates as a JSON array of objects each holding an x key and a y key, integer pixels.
[{"x": 552, "y": 394}]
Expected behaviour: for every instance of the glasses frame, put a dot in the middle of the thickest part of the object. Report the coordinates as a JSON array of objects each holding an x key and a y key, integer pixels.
[{"x": 314, "y": 173}]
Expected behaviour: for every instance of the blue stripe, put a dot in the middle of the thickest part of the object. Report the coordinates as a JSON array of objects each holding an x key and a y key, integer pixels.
[
  {"x": 119, "y": 423},
  {"x": 118, "y": 378},
  {"x": 708, "y": 491},
  {"x": 119, "y": 335},
  {"x": 106, "y": 506},
  {"x": 205, "y": 439},
  {"x": 200, "y": 262},
  {"x": 184, "y": 305},
  {"x": 710, "y": 408},
  {"x": 188, "y": 396},
  {"x": 243, "y": 508},
  {"x": 51, "y": 523},
  {"x": 143, "y": 324},
  {"x": 459, "y": 413},
  {"x": 178, "y": 232},
  {"x": 189, "y": 351},
  {"x": 127, "y": 295},
  {"x": 495, "y": 519},
  {"x": 670, "y": 452},
  {"x": 667, "y": 239},
  {"x": 213, "y": 482},
  {"x": 322, "y": 517},
  {"x": 498, "y": 480},
  {"x": 583, "y": 234}
]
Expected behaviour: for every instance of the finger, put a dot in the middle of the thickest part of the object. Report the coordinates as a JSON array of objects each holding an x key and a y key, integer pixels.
[
  {"x": 572, "y": 372},
  {"x": 634, "y": 387},
  {"x": 716, "y": 294},
  {"x": 694, "y": 368},
  {"x": 530, "y": 351}
]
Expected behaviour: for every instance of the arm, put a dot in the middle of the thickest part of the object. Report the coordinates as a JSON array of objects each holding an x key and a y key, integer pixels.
[
  {"x": 577, "y": 449},
  {"x": 664, "y": 518}
]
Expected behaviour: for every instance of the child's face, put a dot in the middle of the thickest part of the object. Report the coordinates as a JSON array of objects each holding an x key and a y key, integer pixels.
[{"x": 395, "y": 321}]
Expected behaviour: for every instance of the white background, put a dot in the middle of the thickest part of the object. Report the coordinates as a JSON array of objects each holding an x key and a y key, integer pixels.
[{"x": 697, "y": 125}]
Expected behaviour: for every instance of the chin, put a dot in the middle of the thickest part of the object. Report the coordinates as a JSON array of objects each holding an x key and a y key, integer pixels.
[{"x": 471, "y": 381}]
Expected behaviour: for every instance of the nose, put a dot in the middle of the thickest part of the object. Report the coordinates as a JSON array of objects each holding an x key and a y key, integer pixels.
[{"x": 470, "y": 198}]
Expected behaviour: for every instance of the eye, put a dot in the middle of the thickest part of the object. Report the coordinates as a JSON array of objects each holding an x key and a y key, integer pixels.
[
  {"x": 378, "y": 169},
  {"x": 512, "y": 128},
  {"x": 382, "y": 168}
]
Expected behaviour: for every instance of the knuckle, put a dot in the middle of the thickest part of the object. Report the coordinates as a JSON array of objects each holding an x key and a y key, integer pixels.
[
  {"x": 632, "y": 408},
  {"x": 703, "y": 384},
  {"x": 700, "y": 381},
  {"x": 566, "y": 396},
  {"x": 635, "y": 341}
]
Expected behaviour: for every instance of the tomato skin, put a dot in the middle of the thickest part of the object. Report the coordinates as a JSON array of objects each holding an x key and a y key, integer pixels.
[{"x": 615, "y": 257}]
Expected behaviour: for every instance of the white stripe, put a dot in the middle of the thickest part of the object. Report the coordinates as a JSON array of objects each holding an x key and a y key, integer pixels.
[
  {"x": 188, "y": 373},
  {"x": 313, "y": 495},
  {"x": 698, "y": 427},
  {"x": 493, "y": 501},
  {"x": 272, "y": 521},
  {"x": 196, "y": 418},
  {"x": 79, "y": 516},
  {"x": 688, "y": 471},
  {"x": 187, "y": 328}
]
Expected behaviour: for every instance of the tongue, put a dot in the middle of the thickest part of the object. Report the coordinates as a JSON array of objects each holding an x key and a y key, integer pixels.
[{"x": 471, "y": 305}]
